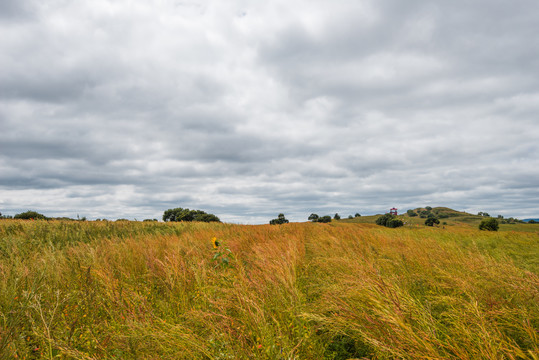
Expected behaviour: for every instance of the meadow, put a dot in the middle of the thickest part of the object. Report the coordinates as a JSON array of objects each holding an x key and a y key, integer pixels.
[{"x": 148, "y": 290}]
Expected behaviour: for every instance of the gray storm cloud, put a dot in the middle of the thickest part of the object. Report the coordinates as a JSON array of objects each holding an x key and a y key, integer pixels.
[{"x": 247, "y": 109}]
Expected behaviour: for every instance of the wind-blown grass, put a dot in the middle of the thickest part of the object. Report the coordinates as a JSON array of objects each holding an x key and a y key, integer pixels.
[{"x": 131, "y": 290}]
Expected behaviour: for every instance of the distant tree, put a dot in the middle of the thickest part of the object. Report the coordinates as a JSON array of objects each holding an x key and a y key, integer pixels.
[
  {"x": 431, "y": 221},
  {"x": 27, "y": 215},
  {"x": 280, "y": 220},
  {"x": 384, "y": 219},
  {"x": 350, "y": 217},
  {"x": 411, "y": 213},
  {"x": 324, "y": 219},
  {"x": 532, "y": 221},
  {"x": 148, "y": 220},
  {"x": 490, "y": 224},
  {"x": 180, "y": 214},
  {"x": 313, "y": 217},
  {"x": 357, "y": 215},
  {"x": 428, "y": 208},
  {"x": 206, "y": 218},
  {"x": 337, "y": 217},
  {"x": 389, "y": 220}
]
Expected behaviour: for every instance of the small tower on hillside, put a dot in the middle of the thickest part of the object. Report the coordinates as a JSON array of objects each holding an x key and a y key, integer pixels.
[{"x": 393, "y": 211}]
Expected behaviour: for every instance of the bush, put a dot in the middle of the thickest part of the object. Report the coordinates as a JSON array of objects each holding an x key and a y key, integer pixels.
[
  {"x": 30, "y": 215},
  {"x": 431, "y": 221},
  {"x": 280, "y": 220},
  {"x": 180, "y": 214},
  {"x": 320, "y": 219},
  {"x": 394, "y": 223},
  {"x": 490, "y": 224},
  {"x": 383, "y": 220},
  {"x": 411, "y": 213},
  {"x": 337, "y": 217},
  {"x": 389, "y": 220},
  {"x": 357, "y": 215}
]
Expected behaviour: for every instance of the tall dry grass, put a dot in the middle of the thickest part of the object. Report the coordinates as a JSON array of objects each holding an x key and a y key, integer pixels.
[{"x": 128, "y": 290}]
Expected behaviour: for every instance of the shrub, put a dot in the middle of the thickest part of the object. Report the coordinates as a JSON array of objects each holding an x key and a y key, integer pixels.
[
  {"x": 357, "y": 215},
  {"x": 383, "y": 220},
  {"x": 180, "y": 214},
  {"x": 490, "y": 224},
  {"x": 411, "y": 213},
  {"x": 337, "y": 217},
  {"x": 313, "y": 217},
  {"x": 27, "y": 215},
  {"x": 280, "y": 220},
  {"x": 431, "y": 221},
  {"x": 389, "y": 220},
  {"x": 324, "y": 219},
  {"x": 394, "y": 223}
]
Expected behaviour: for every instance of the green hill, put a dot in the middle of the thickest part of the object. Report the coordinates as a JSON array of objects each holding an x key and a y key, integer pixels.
[{"x": 448, "y": 217}]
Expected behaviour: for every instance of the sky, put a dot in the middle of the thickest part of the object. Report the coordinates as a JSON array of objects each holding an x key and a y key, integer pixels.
[{"x": 246, "y": 109}]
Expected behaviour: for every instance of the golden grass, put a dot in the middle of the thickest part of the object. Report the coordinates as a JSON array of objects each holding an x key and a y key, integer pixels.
[{"x": 132, "y": 290}]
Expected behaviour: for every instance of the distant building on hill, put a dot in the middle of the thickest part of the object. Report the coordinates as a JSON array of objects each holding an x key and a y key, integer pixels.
[{"x": 393, "y": 211}]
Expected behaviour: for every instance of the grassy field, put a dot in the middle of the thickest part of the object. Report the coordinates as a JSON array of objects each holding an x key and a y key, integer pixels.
[{"x": 133, "y": 290}]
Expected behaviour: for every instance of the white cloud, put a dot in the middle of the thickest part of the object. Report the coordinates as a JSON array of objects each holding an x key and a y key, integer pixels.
[{"x": 127, "y": 108}]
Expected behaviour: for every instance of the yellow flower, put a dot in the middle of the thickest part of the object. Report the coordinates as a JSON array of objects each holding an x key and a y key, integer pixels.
[{"x": 215, "y": 242}]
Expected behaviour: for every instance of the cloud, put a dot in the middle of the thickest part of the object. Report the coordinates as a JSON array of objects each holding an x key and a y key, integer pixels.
[{"x": 246, "y": 110}]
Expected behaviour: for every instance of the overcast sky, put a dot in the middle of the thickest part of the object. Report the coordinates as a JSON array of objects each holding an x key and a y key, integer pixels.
[{"x": 245, "y": 109}]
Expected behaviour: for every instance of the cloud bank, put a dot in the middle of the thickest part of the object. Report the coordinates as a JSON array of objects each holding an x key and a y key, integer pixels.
[{"x": 247, "y": 109}]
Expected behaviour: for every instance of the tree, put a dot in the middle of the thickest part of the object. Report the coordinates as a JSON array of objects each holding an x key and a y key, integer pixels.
[
  {"x": 180, "y": 214},
  {"x": 490, "y": 224},
  {"x": 411, "y": 213},
  {"x": 320, "y": 219},
  {"x": 280, "y": 220},
  {"x": 30, "y": 215},
  {"x": 337, "y": 217},
  {"x": 532, "y": 221},
  {"x": 384, "y": 219},
  {"x": 428, "y": 208},
  {"x": 431, "y": 221},
  {"x": 357, "y": 215},
  {"x": 389, "y": 220},
  {"x": 350, "y": 217}
]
